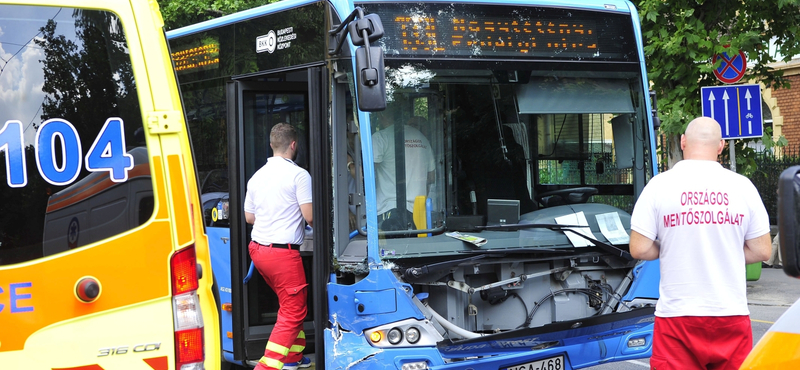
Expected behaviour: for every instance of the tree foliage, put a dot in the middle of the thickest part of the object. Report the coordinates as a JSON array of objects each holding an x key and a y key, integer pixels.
[
  {"x": 180, "y": 13},
  {"x": 681, "y": 38}
]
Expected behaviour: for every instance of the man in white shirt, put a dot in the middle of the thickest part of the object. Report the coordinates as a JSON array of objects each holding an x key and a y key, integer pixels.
[
  {"x": 278, "y": 204},
  {"x": 419, "y": 169},
  {"x": 704, "y": 223}
]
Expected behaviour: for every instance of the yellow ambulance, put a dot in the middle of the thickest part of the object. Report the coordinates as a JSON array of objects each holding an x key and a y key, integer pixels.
[{"x": 104, "y": 263}]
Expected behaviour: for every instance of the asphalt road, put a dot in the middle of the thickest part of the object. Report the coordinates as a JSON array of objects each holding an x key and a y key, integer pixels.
[{"x": 767, "y": 299}]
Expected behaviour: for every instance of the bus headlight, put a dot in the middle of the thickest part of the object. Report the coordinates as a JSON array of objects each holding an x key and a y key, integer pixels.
[
  {"x": 394, "y": 336},
  {"x": 412, "y": 335},
  {"x": 405, "y": 333}
]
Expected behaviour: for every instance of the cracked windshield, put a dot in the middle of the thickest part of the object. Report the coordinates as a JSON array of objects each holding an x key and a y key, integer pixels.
[{"x": 488, "y": 150}]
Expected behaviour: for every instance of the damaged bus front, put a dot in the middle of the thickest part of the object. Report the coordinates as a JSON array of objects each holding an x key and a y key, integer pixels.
[{"x": 492, "y": 197}]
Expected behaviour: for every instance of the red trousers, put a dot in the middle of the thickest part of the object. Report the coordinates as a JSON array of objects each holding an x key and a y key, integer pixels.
[
  {"x": 282, "y": 269},
  {"x": 701, "y": 342}
]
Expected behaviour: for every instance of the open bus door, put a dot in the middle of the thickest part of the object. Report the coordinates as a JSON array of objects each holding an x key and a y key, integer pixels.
[{"x": 255, "y": 105}]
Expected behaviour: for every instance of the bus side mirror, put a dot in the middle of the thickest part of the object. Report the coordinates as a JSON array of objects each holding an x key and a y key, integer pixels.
[
  {"x": 654, "y": 111},
  {"x": 370, "y": 79},
  {"x": 788, "y": 221},
  {"x": 371, "y": 23},
  {"x": 369, "y": 73}
]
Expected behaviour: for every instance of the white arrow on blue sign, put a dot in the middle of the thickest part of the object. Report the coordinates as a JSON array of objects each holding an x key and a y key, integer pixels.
[{"x": 737, "y": 108}]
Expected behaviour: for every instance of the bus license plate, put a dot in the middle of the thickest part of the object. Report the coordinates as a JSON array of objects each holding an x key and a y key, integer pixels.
[{"x": 552, "y": 363}]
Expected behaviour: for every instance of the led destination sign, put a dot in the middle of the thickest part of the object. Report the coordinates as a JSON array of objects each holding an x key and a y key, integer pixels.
[
  {"x": 421, "y": 34},
  {"x": 417, "y": 29},
  {"x": 197, "y": 57}
]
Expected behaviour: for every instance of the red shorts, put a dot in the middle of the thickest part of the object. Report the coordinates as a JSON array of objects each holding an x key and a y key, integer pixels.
[{"x": 701, "y": 342}]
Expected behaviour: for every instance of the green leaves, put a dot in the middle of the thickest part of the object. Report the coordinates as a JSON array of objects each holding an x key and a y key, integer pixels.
[
  {"x": 682, "y": 36},
  {"x": 180, "y": 13}
]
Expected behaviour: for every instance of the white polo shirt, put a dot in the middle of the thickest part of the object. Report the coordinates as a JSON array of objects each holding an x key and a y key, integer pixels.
[
  {"x": 419, "y": 161},
  {"x": 702, "y": 213},
  {"x": 274, "y": 195}
]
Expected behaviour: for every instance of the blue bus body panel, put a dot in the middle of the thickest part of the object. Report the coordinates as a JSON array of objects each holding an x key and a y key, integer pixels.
[
  {"x": 606, "y": 331},
  {"x": 358, "y": 307},
  {"x": 350, "y": 350},
  {"x": 608, "y": 6},
  {"x": 645, "y": 281},
  {"x": 220, "y": 248}
]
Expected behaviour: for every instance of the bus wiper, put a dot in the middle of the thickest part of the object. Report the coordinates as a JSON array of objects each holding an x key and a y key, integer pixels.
[
  {"x": 433, "y": 271},
  {"x": 619, "y": 252}
]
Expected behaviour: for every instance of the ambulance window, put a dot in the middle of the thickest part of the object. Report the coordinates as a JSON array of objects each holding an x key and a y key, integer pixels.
[{"x": 73, "y": 158}]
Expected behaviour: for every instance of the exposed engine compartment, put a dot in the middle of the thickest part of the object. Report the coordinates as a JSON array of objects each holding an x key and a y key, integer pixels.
[
  {"x": 522, "y": 279},
  {"x": 495, "y": 294}
]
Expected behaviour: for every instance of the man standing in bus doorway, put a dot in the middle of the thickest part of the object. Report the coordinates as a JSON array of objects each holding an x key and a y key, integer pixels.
[
  {"x": 704, "y": 223},
  {"x": 419, "y": 170},
  {"x": 277, "y": 202}
]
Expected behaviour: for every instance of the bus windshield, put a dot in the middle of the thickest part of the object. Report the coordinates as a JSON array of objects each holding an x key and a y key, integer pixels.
[{"x": 492, "y": 147}]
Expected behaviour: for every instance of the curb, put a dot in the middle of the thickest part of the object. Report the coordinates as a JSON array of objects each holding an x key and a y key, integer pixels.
[{"x": 768, "y": 303}]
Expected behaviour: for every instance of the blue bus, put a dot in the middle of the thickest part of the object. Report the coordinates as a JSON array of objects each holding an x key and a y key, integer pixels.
[{"x": 497, "y": 238}]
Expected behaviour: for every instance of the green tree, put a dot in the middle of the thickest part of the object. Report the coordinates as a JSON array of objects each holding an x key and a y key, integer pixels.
[
  {"x": 682, "y": 36},
  {"x": 180, "y": 13}
]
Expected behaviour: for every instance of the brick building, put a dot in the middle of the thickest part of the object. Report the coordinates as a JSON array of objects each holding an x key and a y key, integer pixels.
[{"x": 784, "y": 104}]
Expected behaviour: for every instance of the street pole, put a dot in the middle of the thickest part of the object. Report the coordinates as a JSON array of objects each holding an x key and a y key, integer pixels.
[{"x": 733, "y": 155}]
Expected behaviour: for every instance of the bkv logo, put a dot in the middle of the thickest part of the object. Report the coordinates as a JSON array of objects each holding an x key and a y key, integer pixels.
[{"x": 267, "y": 42}]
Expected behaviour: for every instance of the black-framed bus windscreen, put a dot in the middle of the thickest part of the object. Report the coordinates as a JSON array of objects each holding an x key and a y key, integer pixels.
[{"x": 446, "y": 30}]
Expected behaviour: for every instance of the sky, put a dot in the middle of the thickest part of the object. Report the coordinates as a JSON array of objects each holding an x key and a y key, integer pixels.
[{"x": 21, "y": 75}]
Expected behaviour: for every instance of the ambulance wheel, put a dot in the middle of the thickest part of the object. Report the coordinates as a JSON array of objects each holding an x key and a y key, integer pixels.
[{"x": 230, "y": 366}]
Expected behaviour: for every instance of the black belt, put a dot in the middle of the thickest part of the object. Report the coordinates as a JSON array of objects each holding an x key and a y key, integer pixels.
[{"x": 276, "y": 245}]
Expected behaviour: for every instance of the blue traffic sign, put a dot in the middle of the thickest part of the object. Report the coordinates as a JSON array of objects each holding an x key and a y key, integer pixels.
[{"x": 737, "y": 108}]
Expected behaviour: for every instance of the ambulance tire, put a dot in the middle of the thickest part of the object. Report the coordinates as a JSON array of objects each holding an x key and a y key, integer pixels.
[{"x": 230, "y": 366}]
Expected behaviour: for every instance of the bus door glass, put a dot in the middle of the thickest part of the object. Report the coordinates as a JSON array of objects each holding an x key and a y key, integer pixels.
[{"x": 261, "y": 104}]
